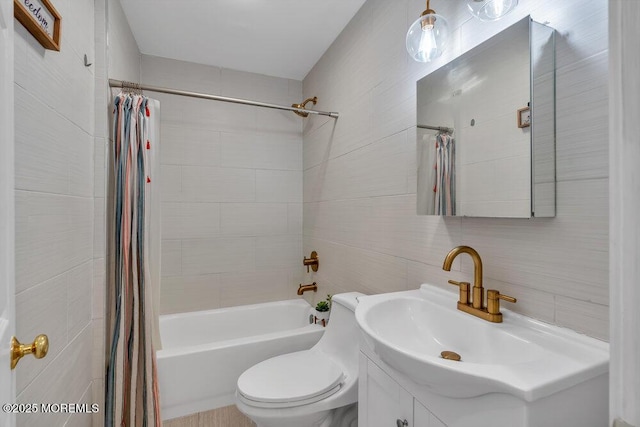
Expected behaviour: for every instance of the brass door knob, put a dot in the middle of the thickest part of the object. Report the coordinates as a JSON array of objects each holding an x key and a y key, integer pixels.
[{"x": 39, "y": 348}]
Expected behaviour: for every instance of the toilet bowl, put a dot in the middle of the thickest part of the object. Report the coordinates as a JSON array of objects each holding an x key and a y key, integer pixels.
[{"x": 312, "y": 388}]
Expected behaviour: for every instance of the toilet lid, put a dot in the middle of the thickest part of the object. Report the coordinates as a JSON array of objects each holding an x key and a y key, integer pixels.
[{"x": 292, "y": 379}]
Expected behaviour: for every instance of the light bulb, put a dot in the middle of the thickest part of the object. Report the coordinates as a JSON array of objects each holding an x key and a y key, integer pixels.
[
  {"x": 428, "y": 45},
  {"x": 495, "y": 9},
  {"x": 427, "y": 37},
  {"x": 490, "y": 10}
]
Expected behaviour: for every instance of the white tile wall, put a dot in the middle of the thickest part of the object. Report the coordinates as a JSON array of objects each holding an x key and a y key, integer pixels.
[
  {"x": 355, "y": 207},
  {"x": 171, "y": 258},
  {"x": 99, "y": 288},
  {"x": 255, "y": 286},
  {"x": 79, "y": 303},
  {"x": 123, "y": 59},
  {"x": 171, "y": 183},
  {"x": 376, "y": 169},
  {"x": 254, "y": 219},
  {"x": 279, "y": 251},
  {"x": 278, "y": 186},
  {"x": 82, "y": 419},
  {"x": 214, "y": 184},
  {"x": 63, "y": 83},
  {"x": 99, "y": 243},
  {"x": 53, "y": 235},
  {"x": 189, "y": 293},
  {"x": 46, "y": 307},
  {"x": 294, "y": 218},
  {"x": 231, "y": 188},
  {"x": 101, "y": 132},
  {"x": 195, "y": 78},
  {"x": 190, "y": 220},
  {"x": 217, "y": 255},
  {"x": 52, "y": 151},
  {"x": 582, "y": 90},
  {"x": 54, "y": 167}
]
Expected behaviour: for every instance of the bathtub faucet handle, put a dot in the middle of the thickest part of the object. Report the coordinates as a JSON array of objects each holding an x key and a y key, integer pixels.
[
  {"x": 312, "y": 261},
  {"x": 304, "y": 288}
]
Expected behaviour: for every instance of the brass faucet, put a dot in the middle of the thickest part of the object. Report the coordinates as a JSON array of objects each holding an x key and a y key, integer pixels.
[
  {"x": 490, "y": 313},
  {"x": 478, "y": 290},
  {"x": 304, "y": 288}
]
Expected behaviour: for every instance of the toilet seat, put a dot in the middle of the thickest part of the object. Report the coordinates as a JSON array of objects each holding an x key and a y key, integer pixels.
[{"x": 293, "y": 379}]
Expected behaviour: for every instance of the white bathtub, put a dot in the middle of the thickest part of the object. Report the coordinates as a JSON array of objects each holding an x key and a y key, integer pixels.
[{"x": 204, "y": 352}]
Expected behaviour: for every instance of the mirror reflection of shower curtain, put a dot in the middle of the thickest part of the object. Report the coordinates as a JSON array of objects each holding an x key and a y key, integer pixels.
[
  {"x": 426, "y": 153},
  {"x": 445, "y": 176},
  {"x": 131, "y": 387}
]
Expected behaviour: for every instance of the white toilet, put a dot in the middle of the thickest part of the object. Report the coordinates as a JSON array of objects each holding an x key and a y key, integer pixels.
[{"x": 311, "y": 388}]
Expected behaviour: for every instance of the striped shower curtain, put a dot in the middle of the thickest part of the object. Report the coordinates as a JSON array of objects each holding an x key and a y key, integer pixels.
[
  {"x": 445, "y": 170},
  {"x": 131, "y": 386}
]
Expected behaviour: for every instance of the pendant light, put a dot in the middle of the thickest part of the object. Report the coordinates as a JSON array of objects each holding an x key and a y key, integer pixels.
[
  {"x": 428, "y": 36},
  {"x": 490, "y": 10}
]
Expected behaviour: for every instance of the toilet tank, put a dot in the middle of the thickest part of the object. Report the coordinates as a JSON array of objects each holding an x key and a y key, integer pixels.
[{"x": 341, "y": 338}]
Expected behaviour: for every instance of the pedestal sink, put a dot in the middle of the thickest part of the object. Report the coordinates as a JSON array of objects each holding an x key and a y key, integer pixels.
[{"x": 521, "y": 357}]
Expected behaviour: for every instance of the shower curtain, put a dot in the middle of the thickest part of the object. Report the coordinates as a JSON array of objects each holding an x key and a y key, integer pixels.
[
  {"x": 426, "y": 156},
  {"x": 132, "y": 336},
  {"x": 445, "y": 182}
]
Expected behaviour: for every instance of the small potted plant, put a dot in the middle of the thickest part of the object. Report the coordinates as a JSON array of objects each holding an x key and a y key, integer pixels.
[{"x": 323, "y": 308}]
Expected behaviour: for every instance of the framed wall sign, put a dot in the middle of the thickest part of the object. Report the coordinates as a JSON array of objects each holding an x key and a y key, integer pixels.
[{"x": 41, "y": 19}]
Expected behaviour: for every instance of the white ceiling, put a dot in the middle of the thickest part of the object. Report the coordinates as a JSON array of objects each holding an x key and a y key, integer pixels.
[{"x": 282, "y": 38}]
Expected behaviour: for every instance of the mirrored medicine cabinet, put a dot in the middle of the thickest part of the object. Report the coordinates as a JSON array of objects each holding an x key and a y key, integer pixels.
[{"x": 486, "y": 129}]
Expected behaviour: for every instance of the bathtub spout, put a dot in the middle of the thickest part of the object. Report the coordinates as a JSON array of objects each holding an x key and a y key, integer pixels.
[{"x": 304, "y": 288}]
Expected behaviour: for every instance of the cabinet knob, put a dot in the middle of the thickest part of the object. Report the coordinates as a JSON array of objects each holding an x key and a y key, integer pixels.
[{"x": 402, "y": 423}]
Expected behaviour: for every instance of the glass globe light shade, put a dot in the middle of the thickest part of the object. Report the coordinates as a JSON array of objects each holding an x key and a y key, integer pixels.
[
  {"x": 427, "y": 37},
  {"x": 490, "y": 10}
]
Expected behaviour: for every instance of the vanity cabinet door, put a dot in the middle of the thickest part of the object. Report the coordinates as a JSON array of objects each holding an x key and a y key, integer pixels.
[
  {"x": 382, "y": 402},
  {"x": 423, "y": 418}
]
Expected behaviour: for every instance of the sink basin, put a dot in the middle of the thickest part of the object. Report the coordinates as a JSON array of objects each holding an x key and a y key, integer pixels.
[{"x": 520, "y": 356}]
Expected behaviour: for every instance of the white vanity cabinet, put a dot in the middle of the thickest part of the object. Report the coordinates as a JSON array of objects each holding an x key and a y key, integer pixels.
[
  {"x": 386, "y": 396},
  {"x": 382, "y": 402}
]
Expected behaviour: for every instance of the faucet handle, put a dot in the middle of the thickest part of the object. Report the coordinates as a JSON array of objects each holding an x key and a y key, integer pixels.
[
  {"x": 464, "y": 291},
  {"x": 493, "y": 301},
  {"x": 312, "y": 261}
]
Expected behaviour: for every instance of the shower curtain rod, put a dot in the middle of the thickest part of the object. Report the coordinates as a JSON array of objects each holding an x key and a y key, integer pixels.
[
  {"x": 127, "y": 85},
  {"x": 438, "y": 128}
]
